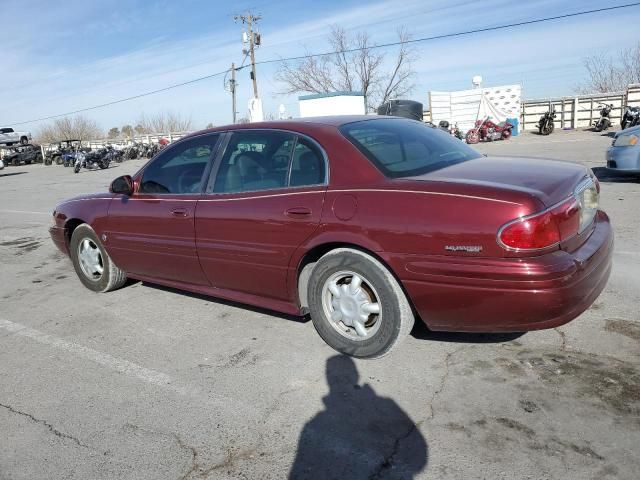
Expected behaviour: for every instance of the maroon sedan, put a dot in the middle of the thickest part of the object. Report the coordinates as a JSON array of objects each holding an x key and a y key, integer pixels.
[{"x": 364, "y": 222}]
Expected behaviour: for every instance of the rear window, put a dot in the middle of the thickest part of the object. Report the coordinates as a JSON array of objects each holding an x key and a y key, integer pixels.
[{"x": 406, "y": 148}]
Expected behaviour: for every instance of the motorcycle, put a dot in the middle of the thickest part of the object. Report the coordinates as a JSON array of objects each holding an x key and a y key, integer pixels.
[
  {"x": 94, "y": 159},
  {"x": 631, "y": 117},
  {"x": 444, "y": 125},
  {"x": 487, "y": 131},
  {"x": 604, "y": 121},
  {"x": 546, "y": 124},
  {"x": 456, "y": 132}
]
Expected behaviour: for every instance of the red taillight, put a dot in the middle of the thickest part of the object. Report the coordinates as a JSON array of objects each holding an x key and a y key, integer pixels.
[{"x": 542, "y": 230}]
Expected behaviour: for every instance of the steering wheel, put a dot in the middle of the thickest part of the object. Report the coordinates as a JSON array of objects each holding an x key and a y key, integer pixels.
[{"x": 189, "y": 181}]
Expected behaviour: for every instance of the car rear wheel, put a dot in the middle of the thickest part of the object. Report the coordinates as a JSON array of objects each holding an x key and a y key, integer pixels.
[
  {"x": 92, "y": 263},
  {"x": 24, "y": 141},
  {"x": 356, "y": 304}
]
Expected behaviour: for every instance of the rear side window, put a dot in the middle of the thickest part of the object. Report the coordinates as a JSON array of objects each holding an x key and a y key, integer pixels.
[
  {"x": 307, "y": 165},
  {"x": 6, "y": 130},
  {"x": 406, "y": 148},
  {"x": 255, "y": 160}
]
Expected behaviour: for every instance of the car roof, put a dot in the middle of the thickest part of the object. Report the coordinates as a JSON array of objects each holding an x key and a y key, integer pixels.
[{"x": 331, "y": 120}]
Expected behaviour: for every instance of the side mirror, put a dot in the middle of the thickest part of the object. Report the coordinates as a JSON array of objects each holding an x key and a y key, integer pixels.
[{"x": 122, "y": 185}]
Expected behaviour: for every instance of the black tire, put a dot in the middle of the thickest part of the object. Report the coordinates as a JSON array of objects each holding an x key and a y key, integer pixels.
[
  {"x": 396, "y": 316},
  {"x": 111, "y": 278},
  {"x": 623, "y": 123},
  {"x": 598, "y": 127},
  {"x": 58, "y": 160},
  {"x": 24, "y": 140},
  {"x": 77, "y": 167},
  {"x": 38, "y": 158},
  {"x": 47, "y": 161}
]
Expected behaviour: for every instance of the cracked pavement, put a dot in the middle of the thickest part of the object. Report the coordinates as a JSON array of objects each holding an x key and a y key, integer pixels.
[{"x": 148, "y": 382}]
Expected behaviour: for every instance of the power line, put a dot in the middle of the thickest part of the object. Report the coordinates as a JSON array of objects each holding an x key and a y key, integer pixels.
[
  {"x": 102, "y": 105},
  {"x": 456, "y": 34},
  {"x": 302, "y": 57}
]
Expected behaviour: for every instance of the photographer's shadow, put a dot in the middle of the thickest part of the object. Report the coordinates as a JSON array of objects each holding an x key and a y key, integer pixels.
[{"x": 359, "y": 435}]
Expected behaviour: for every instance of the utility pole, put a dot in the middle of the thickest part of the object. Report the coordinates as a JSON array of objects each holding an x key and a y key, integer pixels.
[
  {"x": 232, "y": 85},
  {"x": 253, "y": 39}
]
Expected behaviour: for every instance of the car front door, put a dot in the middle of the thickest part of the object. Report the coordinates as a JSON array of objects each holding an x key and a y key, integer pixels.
[
  {"x": 263, "y": 201},
  {"x": 5, "y": 135},
  {"x": 152, "y": 233}
]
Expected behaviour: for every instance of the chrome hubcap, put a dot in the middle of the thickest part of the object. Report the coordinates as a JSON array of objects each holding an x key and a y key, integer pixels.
[
  {"x": 90, "y": 259},
  {"x": 352, "y": 305}
]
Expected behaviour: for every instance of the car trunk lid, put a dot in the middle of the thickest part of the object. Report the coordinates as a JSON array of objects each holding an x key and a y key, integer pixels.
[{"x": 549, "y": 181}]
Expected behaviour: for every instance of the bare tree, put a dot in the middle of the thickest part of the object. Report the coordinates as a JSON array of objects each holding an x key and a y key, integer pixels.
[
  {"x": 210, "y": 125},
  {"x": 127, "y": 131},
  {"x": 164, "y": 122},
  {"x": 113, "y": 132},
  {"x": 69, "y": 128},
  {"x": 609, "y": 73},
  {"x": 354, "y": 64}
]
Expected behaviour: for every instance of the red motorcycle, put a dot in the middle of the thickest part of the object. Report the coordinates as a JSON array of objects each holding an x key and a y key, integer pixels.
[{"x": 487, "y": 131}]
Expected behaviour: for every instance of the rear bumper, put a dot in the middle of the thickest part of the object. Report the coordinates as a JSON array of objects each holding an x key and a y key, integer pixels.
[
  {"x": 469, "y": 294},
  {"x": 59, "y": 239}
]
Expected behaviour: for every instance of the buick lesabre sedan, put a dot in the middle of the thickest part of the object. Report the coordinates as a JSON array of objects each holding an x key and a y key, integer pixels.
[{"x": 364, "y": 222}]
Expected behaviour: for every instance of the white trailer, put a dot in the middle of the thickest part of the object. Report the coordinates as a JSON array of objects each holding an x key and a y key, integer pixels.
[{"x": 334, "y": 103}]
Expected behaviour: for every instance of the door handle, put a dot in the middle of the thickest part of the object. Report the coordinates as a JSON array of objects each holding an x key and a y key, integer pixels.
[
  {"x": 298, "y": 212},
  {"x": 180, "y": 212}
]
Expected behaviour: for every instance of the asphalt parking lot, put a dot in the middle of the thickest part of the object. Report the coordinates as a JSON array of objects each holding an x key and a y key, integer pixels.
[{"x": 151, "y": 383}]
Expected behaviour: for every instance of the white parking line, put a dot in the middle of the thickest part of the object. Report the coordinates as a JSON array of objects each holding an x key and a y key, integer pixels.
[
  {"x": 119, "y": 365},
  {"x": 635, "y": 254},
  {"x": 25, "y": 211}
]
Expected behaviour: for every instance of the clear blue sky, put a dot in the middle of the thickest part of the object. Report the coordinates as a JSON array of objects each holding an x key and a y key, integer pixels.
[{"x": 62, "y": 56}]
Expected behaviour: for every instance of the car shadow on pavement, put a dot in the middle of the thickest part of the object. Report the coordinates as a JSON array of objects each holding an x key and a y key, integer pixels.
[
  {"x": 603, "y": 174},
  {"x": 221, "y": 301},
  {"x": 421, "y": 332},
  {"x": 359, "y": 434},
  {"x": 12, "y": 173}
]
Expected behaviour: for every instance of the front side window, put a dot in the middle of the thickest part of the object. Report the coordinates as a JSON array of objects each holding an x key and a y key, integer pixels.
[
  {"x": 406, "y": 148},
  {"x": 179, "y": 170}
]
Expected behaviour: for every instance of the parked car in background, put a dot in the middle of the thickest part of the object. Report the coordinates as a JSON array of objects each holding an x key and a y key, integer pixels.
[
  {"x": 365, "y": 222},
  {"x": 8, "y": 136},
  {"x": 623, "y": 155},
  {"x": 19, "y": 155}
]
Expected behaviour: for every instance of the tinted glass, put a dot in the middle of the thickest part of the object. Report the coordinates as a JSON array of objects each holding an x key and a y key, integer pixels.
[
  {"x": 405, "y": 148},
  {"x": 255, "y": 160},
  {"x": 307, "y": 166},
  {"x": 180, "y": 168}
]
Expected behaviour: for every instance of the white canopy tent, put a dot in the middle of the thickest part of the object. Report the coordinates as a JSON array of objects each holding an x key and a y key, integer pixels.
[{"x": 464, "y": 107}]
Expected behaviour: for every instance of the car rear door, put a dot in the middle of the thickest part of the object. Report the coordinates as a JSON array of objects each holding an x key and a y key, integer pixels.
[
  {"x": 265, "y": 199},
  {"x": 152, "y": 232}
]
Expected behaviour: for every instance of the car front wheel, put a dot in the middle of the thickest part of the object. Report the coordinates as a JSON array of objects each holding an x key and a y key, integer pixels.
[
  {"x": 357, "y": 305},
  {"x": 92, "y": 263}
]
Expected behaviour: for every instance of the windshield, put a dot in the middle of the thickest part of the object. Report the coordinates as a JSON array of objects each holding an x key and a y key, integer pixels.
[{"x": 406, "y": 148}]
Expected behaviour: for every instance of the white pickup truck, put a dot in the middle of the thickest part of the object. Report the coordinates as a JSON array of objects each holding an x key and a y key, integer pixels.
[{"x": 8, "y": 137}]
